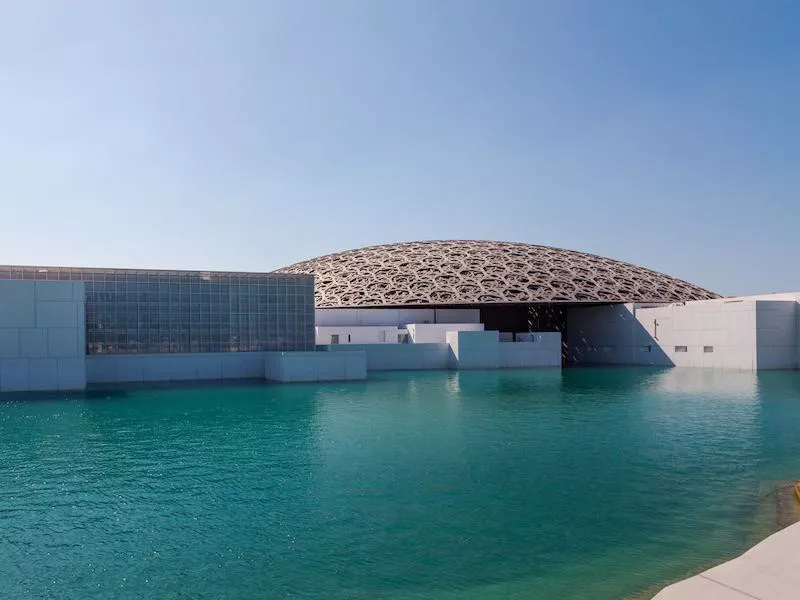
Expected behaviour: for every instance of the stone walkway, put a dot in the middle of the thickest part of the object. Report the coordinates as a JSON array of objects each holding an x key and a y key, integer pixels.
[{"x": 768, "y": 571}]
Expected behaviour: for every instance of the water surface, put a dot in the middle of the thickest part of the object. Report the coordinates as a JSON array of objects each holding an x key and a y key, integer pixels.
[{"x": 586, "y": 483}]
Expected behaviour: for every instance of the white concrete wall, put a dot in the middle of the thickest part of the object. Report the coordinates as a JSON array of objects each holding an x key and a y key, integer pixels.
[
  {"x": 42, "y": 335},
  {"x": 357, "y": 334},
  {"x": 423, "y": 333},
  {"x": 733, "y": 333},
  {"x": 543, "y": 350},
  {"x": 474, "y": 349},
  {"x": 777, "y": 334},
  {"x": 143, "y": 368},
  {"x": 402, "y": 357},
  {"x": 315, "y": 366},
  {"x": 398, "y": 317}
]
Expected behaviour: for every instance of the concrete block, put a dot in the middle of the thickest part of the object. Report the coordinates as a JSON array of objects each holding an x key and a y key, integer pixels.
[
  {"x": 71, "y": 373},
  {"x": 56, "y": 314},
  {"x": 17, "y": 304},
  {"x": 54, "y": 291},
  {"x": 15, "y": 375},
  {"x": 33, "y": 343},
  {"x": 44, "y": 374},
  {"x": 9, "y": 343},
  {"x": 63, "y": 343}
]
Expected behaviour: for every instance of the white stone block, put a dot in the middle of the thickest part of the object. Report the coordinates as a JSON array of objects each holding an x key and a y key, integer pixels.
[
  {"x": 9, "y": 343},
  {"x": 44, "y": 374},
  {"x": 17, "y": 305},
  {"x": 54, "y": 291},
  {"x": 62, "y": 343},
  {"x": 33, "y": 343},
  {"x": 15, "y": 375},
  {"x": 56, "y": 314},
  {"x": 71, "y": 373}
]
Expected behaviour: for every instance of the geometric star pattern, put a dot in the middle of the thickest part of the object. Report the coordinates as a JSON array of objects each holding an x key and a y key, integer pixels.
[{"x": 483, "y": 272}]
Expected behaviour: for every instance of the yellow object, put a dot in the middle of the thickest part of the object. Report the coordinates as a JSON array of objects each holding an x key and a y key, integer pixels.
[{"x": 797, "y": 490}]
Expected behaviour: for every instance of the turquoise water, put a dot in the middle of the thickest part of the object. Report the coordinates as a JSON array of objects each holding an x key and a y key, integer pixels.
[{"x": 586, "y": 483}]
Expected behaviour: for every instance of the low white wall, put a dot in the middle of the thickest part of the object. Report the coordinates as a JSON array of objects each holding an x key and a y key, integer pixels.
[
  {"x": 142, "y": 368},
  {"x": 544, "y": 350},
  {"x": 474, "y": 349},
  {"x": 42, "y": 335},
  {"x": 402, "y": 357},
  {"x": 357, "y": 334},
  {"x": 315, "y": 366},
  {"x": 424, "y": 333},
  {"x": 398, "y": 317}
]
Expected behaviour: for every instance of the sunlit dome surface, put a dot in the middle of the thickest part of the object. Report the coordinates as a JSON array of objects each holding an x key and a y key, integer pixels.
[{"x": 482, "y": 272}]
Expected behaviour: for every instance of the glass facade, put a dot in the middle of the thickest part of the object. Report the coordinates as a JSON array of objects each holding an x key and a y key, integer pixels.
[{"x": 135, "y": 312}]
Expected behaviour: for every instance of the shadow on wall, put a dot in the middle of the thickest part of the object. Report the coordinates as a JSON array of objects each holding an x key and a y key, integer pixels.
[{"x": 611, "y": 335}]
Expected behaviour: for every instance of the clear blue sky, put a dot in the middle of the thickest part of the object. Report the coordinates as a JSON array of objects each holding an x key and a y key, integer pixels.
[{"x": 250, "y": 135}]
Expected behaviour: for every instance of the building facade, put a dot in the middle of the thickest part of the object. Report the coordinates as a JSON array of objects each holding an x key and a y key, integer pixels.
[{"x": 141, "y": 325}]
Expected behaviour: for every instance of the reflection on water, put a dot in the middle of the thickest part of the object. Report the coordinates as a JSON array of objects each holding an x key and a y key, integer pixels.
[{"x": 438, "y": 485}]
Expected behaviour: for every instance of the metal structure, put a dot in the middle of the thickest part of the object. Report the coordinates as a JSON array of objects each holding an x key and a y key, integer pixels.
[{"x": 459, "y": 272}]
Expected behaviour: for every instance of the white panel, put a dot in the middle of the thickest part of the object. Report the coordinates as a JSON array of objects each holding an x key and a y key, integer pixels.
[
  {"x": 17, "y": 306},
  {"x": 62, "y": 343},
  {"x": 179, "y": 367},
  {"x": 9, "y": 343},
  {"x": 333, "y": 367},
  {"x": 356, "y": 366},
  {"x": 129, "y": 368},
  {"x": 233, "y": 367},
  {"x": 53, "y": 291},
  {"x": 44, "y": 374},
  {"x": 15, "y": 374},
  {"x": 33, "y": 343},
  {"x": 71, "y": 373},
  {"x": 209, "y": 367},
  {"x": 56, "y": 314}
]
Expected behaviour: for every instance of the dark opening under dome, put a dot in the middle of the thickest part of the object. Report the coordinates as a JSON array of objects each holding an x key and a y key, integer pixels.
[{"x": 482, "y": 272}]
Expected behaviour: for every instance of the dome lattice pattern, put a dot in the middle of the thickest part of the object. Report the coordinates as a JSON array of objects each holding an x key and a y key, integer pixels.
[{"x": 480, "y": 272}]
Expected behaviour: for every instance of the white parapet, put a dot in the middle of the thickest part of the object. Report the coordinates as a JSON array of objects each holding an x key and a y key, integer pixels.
[{"x": 315, "y": 366}]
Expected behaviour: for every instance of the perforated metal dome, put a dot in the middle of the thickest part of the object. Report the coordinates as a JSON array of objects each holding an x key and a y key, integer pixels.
[{"x": 481, "y": 272}]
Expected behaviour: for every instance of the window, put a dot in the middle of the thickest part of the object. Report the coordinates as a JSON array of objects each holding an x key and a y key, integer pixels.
[
  {"x": 334, "y": 339},
  {"x": 647, "y": 348},
  {"x": 708, "y": 349},
  {"x": 680, "y": 349}
]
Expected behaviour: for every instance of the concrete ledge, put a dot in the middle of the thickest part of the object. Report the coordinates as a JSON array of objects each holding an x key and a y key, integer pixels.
[
  {"x": 768, "y": 571},
  {"x": 315, "y": 366}
]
